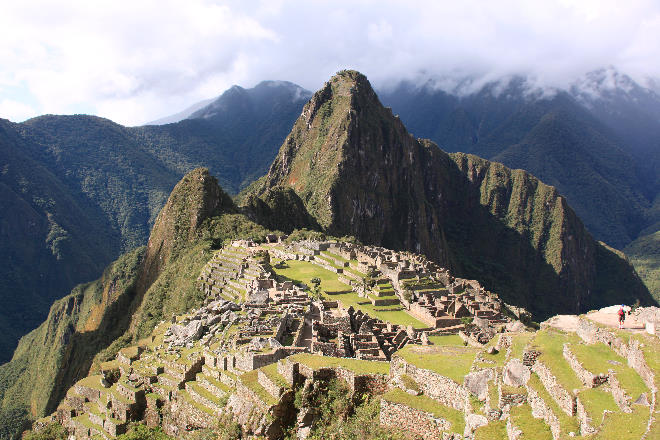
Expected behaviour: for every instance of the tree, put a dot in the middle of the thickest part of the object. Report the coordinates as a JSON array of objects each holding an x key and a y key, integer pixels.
[{"x": 316, "y": 291}]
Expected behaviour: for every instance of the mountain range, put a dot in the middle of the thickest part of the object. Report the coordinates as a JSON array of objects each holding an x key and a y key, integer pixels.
[
  {"x": 91, "y": 188},
  {"x": 347, "y": 167}
]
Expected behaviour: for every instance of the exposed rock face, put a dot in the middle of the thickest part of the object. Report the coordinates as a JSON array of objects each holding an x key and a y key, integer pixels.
[{"x": 359, "y": 172}]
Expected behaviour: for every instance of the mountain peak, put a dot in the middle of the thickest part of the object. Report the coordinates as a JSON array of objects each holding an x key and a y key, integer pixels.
[
  {"x": 194, "y": 199},
  {"x": 359, "y": 172}
]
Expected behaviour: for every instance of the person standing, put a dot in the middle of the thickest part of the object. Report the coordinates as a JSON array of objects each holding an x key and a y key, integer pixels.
[{"x": 622, "y": 316}]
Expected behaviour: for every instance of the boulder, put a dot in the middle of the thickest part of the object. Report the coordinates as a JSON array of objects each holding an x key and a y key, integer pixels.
[
  {"x": 474, "y": 421},
  {"x": 182, "y": 335},
  {"x": 515, "y": 374},
  {"x": 515, "y": 326},
  {"x": 477, "y": 383}
]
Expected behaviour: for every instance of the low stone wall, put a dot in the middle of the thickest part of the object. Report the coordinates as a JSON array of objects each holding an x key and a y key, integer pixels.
[
  {"x": 271, "y": 387},
  {"x": 591, "y": 333},
  {"x": 586, "y": 424},
  {"x": 509, "y": 399},
  {"x": 541, "y": 410},
  {"x": 296, "y": 373},
  {"x": 620, "y": 397},
  {"x": 564, "y": 399},
  {"x": 512, "y": 431},
  {"x": 529, "y": 357},
  {"x": 588, "y": 378},
  {"x": 434, "y": 385},
  {"x": 413, "y": 420}
]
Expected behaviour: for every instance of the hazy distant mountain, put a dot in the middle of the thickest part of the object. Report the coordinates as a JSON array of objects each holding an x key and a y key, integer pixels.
[
  {"x": 182, "y": 114},
  {"x": 603, "y": 159}
]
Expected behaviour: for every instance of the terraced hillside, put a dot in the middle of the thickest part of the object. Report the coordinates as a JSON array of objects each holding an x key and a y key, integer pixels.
[{"x": 287, "y": 327}]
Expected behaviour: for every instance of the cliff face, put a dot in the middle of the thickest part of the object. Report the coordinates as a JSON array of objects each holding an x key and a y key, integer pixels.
[{"x": 359, "y": 172}]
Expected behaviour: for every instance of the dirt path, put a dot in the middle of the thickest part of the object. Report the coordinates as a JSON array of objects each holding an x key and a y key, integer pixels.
[{"x": 609, "y": 317}]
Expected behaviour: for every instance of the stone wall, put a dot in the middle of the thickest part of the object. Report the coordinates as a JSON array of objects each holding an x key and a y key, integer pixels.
[
  {"x": 620, "y": 397},
  {"x": 564, "y": 399},
  {"x": 412, "y": 420},
  {"x": 541, "y": 410},
  {"x": 512, "y": 431},
  {"x": 591, "y": 334},
  {"x": 588, "y": 378},
  {"x": 530, "y": 356},
  {"x": 586, "y": 424},
  {"x": 434, "y": 385}
]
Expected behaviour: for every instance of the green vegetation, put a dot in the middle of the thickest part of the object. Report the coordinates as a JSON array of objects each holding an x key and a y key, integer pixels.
[
  {"x": 644, "y": 254},
  {"x": 425, "y": 403},
  {"x": 251, "y": 380},
  {"x": 596, "y": 402},
  {"x": 532, "y": 429},
  {"x": 53, "y": 431},
  {"x": 142, "y": 432},
  {"x": 492, "y": 431},
  {"x": 518, "y": 343},
  {"x": 304, "y": 272},
  {"x": 410, "y": 383},
  {"x": 551, "y": 344},
  {"x": 341, "y": 418},
  {"x": 620, "y": 425},
  {"x": 598, "y": 358},
  {"x": 568, "y": 424},
  {"x": 453, "y": 362},
  {"x": 355, "y": 365},
  {"x": 446, "y": 340}
]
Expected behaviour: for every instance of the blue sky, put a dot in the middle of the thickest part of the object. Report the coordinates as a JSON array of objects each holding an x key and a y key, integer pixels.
[{"x": 135, "y": 61}]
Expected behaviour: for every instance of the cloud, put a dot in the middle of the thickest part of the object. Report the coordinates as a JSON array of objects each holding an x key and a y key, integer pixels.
[
  {"x": 139, "y": 60},
  {"x": 15, "y": 110}
]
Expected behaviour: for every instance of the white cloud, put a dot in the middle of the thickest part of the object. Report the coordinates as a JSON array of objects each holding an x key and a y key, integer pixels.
[
  {"x": 134, "y": 61},
  {"x": 15, "y": 110}
]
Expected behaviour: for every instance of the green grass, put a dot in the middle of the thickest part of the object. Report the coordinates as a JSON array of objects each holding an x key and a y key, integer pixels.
[
  {"x": 518, "y": 343},
  {"x": 595, "y": 357},
  {"x": 188, "y": 398},
  {"x": 425, "y": 403},
  {"x": 450, "y": 361},
  {"x": 492, "y": 431},
  {"x": 275, "y": 376},
  {"x": 622, "y": 426},
  {"x": 304, "y": 271},
  {"x": 551, "y": 343},
  {"x": 206, "y": 393},
  {"x": 567, "y": 423},
  {"x": 454, "y": 340},
  {"x": 250, "y": 380},
  {"x": 492, "y": 394},
  {"x": 596, "y": 402},
  {"x": 393, "y": 314},
  {"x": 532, "y": 428},
  {"x": 355, "y": 365},
  {"x": 409, "y": 382}
]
